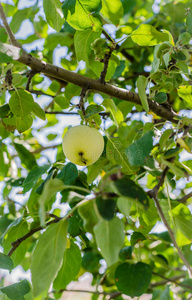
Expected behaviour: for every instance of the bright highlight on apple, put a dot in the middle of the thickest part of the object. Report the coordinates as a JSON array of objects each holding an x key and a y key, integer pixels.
[{"x": 83, "y": 145}]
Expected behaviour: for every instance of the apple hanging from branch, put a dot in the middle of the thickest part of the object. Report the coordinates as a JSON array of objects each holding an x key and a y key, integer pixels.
[{"x": 83, "y": 145}]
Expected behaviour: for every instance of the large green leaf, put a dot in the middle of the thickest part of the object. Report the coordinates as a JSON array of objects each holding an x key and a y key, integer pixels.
[
  {"x": 147, "y": 35},
  {"x": 21, "y": 103},
  {"x": 114, "y": 110},
  {"x": 38, "y": 111},
  {"x": 88, "y": 212},
  {"x": 116, "y": 154},
  {"x": 13, "y": 233},
  {"x": 51, "y": 187},
  {"x": 53, "y": 13},
  {"x": 68, "y": 174},
  {"x": 48, "y": 256},
  {"x": 82, "y": 14},
  {"x": 27, "y": 158},
  {"x": 33, "y": 176},
  {"x": 140, "y": 149},
  {"x": 141, "y": 85},
  {"x": 16, "y": 291},
  {"x": 128, "y": 188},
  {"x": 95, "y": 169},
  {"x": 185, "y": 92},
  {"x": 133, "y": 280},
  {"x": 6, "y": 262},
  {"x": 24, "y": 123},
  {"x": 70, "y": 267},
  {"x": 112, "y": 10},
  {"x": 83, "y": 41},
  {"x": 110, "y": 237}
]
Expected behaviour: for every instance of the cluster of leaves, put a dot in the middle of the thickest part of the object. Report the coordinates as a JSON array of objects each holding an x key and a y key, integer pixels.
[{"x": 109, "y": 227}]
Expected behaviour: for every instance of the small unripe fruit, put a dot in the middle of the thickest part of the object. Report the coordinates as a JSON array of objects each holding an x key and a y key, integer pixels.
[{"x": 83, "y": 145}]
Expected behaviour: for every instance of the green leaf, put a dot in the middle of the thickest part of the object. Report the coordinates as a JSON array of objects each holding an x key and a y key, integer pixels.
[
  {"x": 114, "y": 110},
  {"x": 113, "y": 10},
  {"x": 68, "y": 174},
  {"x": 164, "y": 137},
  {"x": 21, "y": 103},
  {"x": 115, "y": 151},
  {"x": 160, "y": 97},
  {"x": 82, "y": 43},
  {"x": 133, "y": 279},
  {"x": 90, "y": 261},
  {"x": 124, "y": 205},
  {"x": 27, "y": 158},
  {"x": 53, "y": 13},
  {"x": 16, "y": 291},
  {"x": 62, "y": 101},
  {"x": 147, "y": 35},
  {"x": 106, "y": 208},
  {"x": 82, "y": 14},
  {"x": 9, "y": 123},
  {"x": 4, "y": 110},
  {"x": 141, "y": 85},
  {"x": 48, "y": 256},
  {"x": 95, "y": 169},
  {"x": 88, "y": 212},
  {"x": 136, "y": 237},
  {"x": 110, "y": 237},
  {"x": 184, "y": 38},
  {"x": 138, "y": 151},
  {"x": 128, "y": 188},
  {"x": 183, "y": 219},
  {"x": 51, "y": 187},
  {"x": 33, "y": 176},
  {"x": 185, "y": 92},
  {"x": 6, "y": 262},
  {"x": 93, "y": 109},
  {"x": 70, "y": 267},
  {"x": 38, "y": 111},
  {"x": 14, "y": 232},
  {"x": 18, "y": 17},
  {"x": 24, "y": 123},
  {"x": 189, "y": 22}
]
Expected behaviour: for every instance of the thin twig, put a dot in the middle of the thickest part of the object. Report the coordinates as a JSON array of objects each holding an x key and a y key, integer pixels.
[
  {"x": 30, "y": 76},
  {"x": 153, "y": 193},
  {"x": 106, "y": 63},
  {"x": 81, "y": 100},
  {"x": 184, "y": 198},
  {"x": 160, "y": 211},
  {"x": 16, "y": 244},
  {"x": 12, "y": 38},
  {"x": 174, "y": 280}
]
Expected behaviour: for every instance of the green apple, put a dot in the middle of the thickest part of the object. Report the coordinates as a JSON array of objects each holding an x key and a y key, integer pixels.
[{"x": 83, "y": 145}]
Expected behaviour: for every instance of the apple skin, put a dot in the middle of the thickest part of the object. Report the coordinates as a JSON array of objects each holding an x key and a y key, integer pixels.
[{"x": 83, "y": 145}]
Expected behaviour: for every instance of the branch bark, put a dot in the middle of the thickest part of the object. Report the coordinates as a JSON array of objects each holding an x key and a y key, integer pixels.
[{"x": 82, "y": 81}]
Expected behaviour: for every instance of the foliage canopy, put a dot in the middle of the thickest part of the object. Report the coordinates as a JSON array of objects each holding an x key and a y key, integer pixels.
[{"x": 124, "y": 68}]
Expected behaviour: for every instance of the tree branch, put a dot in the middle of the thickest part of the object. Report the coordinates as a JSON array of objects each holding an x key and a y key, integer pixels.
[
  {"x": 82, "y": 81},
  {"x": 184, "y": 198},
  {"x": 12, "y": 38},
  {"x": 182, "y": 257},
  {"x": 173, "y": 280},
  {"x": 106, "y": 63},
  {"x": 153, "y": 193},
  {"x": 16, "y": 243}
]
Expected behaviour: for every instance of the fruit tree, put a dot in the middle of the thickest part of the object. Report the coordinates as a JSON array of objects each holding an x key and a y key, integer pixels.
[{"x": 96, "y": 148}]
